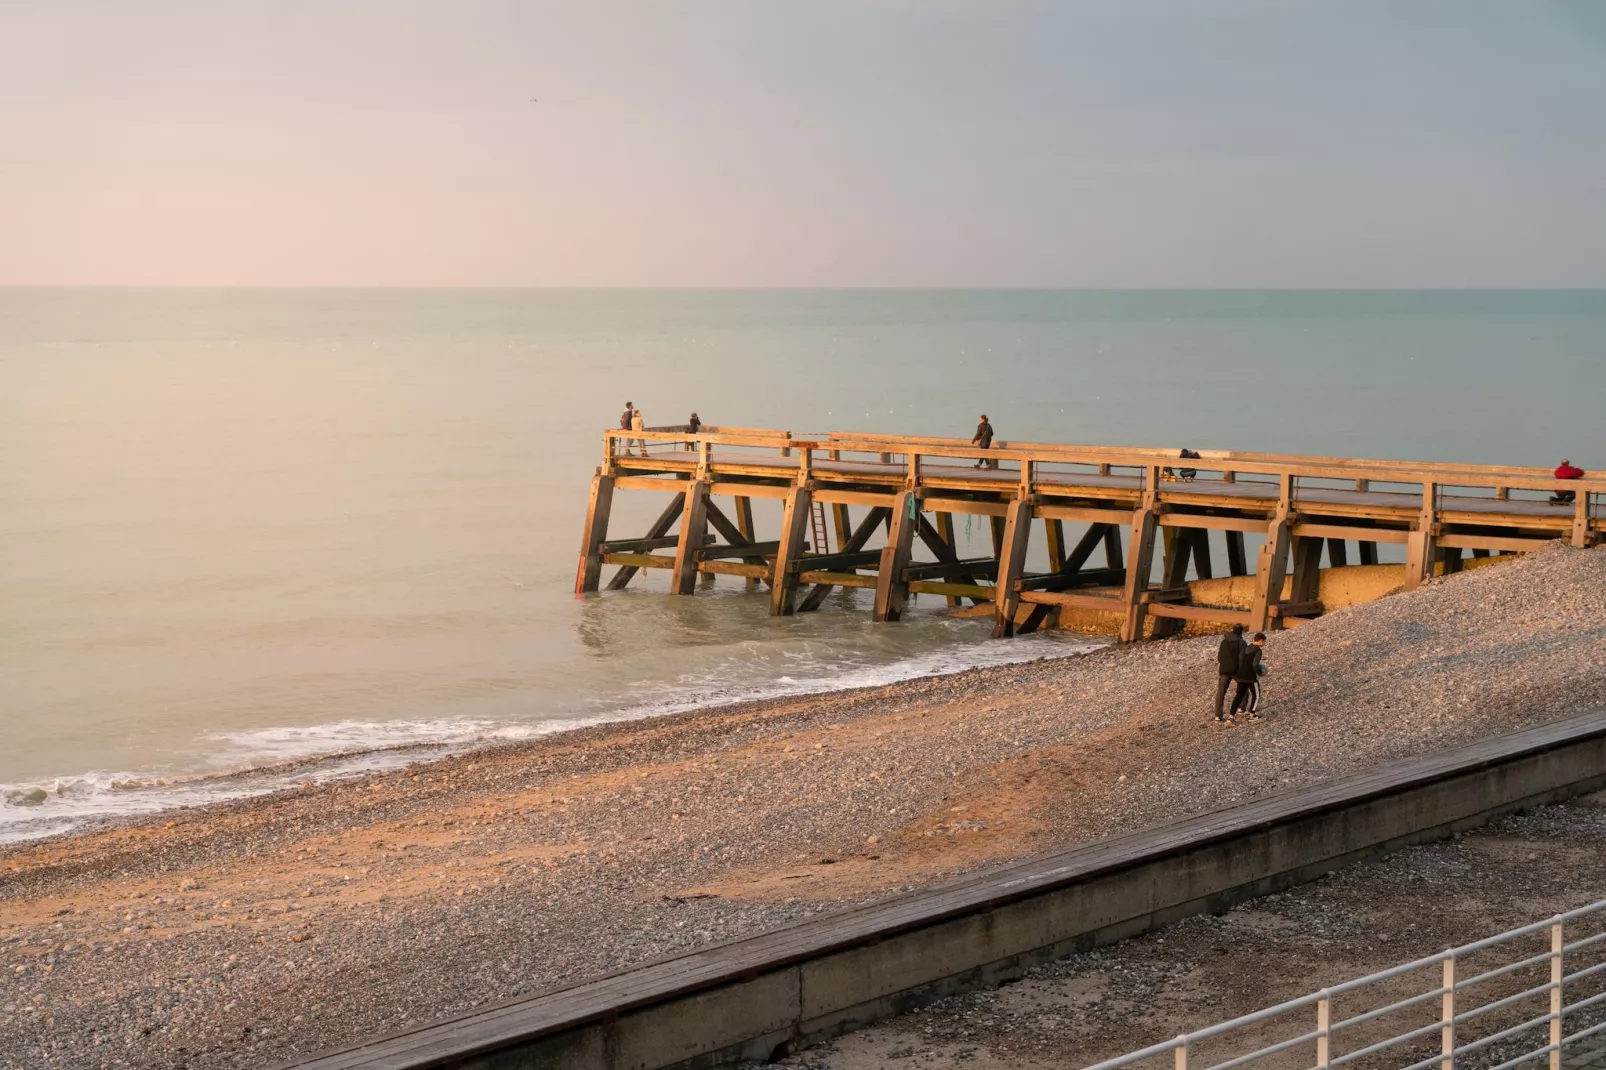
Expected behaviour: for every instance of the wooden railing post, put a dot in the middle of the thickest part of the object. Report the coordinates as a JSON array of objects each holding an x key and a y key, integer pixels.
[
  {"x": 594, "y": 534},
  {"x": 1581, "y": 533},
  {"x": 1272, "y": 567},
  {"x": 1324, "y": 1025},
  {"x": 1556, "y": 1002},
  {"x": 1447, "y": 1017}
]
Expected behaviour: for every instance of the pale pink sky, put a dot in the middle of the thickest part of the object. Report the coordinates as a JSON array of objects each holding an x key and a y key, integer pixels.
[{"x": 873, "y": 142}]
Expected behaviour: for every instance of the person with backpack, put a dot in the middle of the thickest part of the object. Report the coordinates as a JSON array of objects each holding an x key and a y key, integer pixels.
[
  {"x": 1227, "y": 657},
  {"x": 983, "y": 439},
  {"x": 1250, "y": 668},
  {"x": 624, "y": 422}
]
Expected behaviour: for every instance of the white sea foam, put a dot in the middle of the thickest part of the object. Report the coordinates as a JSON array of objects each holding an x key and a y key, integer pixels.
[{"x": 264, "y": 760}]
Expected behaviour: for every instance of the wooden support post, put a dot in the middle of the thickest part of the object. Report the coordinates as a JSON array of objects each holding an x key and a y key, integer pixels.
[
  {"x": 1201, "y": 554},
  {"x": 1112, "y": 547},
  {"x": 794, "y": 533},
  {"x": 735, "y": 533},
  {"x": 1451, "y": 556},
  {"x": 1419, "y": 546},
  {"x": 1581, "y": 533},
  {"x": 693, "y": 534},
  {"x": 843, "y": 522},
  {"x": 1177, "y": 548},
  {"x": 1237, "y": 563},
  {"x": 891, "y": 590},
  {"x": 665, "y": 519},
  {"x": 1479, "y": 552},
  {"x": 1337, "y": 553},
  {"x": 1011, "y": 564},
  {"x": 997, "y": 524},
  {"x": 1368, "y": 551},
  {"x": 945, "y": 532},
  {"x": 1272, "y": 568},
  {"x": 744, "y": 524},
  {"x": 1307, "y": 570},
  {"x": 1141, "y": 545},
  {"x": 589, "y": 574},
  {"x": 1054, "y": 532}
]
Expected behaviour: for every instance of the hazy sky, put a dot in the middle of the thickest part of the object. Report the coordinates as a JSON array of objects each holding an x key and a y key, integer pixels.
[{"x": 898, "y": 143}]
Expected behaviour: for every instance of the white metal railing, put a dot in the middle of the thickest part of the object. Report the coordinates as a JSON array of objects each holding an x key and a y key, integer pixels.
[{"x": 1457, "y": 1017}]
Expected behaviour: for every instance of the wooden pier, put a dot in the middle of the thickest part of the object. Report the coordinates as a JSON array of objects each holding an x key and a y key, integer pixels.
[{"x": 877, "y": 512}]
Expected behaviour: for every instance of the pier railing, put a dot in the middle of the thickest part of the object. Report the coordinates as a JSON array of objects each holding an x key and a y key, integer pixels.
[
  {"x": 1440, "y": 1011},
  {"x": 1134, "y": 503}
]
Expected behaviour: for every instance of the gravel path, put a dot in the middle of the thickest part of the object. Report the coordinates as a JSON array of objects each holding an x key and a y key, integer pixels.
[{"x": 246, "y": 933}]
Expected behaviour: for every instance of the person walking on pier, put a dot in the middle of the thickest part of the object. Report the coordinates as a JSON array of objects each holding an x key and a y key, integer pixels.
[
  {"x": 1228, "y": 654},
  {"x": 1566, "y": 470},
  {"x": 983, "y": 439},
  {"x": 1247, "y": 695}
]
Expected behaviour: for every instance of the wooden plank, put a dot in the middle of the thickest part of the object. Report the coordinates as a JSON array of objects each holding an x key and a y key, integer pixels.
[
  {"x": 1111, "y": 603},
  {"x": 1210, "y": 614},
  {"x": 636, "y": 561},
  {"x": 743, "y": 491},
  {"x": 1308, "y": 608},
  {"x": 666, "y": 518},
  {"x": 1012, "y": 564},
  {"x": 891, "y": 591},
  {"x": 638, "y": 546},
  {"x": 794, "y": 532},
  {"x": 853, "y": 497},
  {"x": 1251, "y": 525},
  {"x": 598, "y": 506},
  {"x": 1064, "y": 581},
  {"x": 965, "y": 506},
  {"x": 1302, "y": 530},
  {"x": 1142, "y": 558},
  {"x": 672, "y": 484},
  {"x": 1084, "y": 514},
  {"x": 734, "y": 568},
  {"x": 842, "y": 562},
  {"x": 973, "y": 567},
  {"x": 1505, "y": 544},
  {"x": 756, "y": 550},
  {"x": 827, "y": 580},
  {"x": 965, "y": 590}
]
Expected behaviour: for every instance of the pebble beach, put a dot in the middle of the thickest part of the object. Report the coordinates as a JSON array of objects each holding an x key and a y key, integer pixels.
[{"x": 254, "y": 932}]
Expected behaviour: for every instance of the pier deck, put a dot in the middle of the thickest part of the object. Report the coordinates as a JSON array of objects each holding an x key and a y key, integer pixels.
[{"x": 1149, "y": 528}]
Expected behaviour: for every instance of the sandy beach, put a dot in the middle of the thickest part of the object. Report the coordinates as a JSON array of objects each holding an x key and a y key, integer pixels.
[{"x": 248, "y": 933}]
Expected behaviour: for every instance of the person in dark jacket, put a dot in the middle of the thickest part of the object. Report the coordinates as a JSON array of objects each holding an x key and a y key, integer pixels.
[
  {"x": 694, "y": 425},
  {"x": 1227, "y": 657},
  {"x": 1566, "y": 470},
  {"x": 984, "y": 439},
  {"x": 1247, "y": 695}
]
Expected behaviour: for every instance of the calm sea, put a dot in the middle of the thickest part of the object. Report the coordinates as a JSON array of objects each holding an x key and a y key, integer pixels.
[{"x": 240, "y": 526}]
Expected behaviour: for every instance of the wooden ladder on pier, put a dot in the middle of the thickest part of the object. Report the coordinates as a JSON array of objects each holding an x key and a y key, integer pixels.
[{"x": 817, "y": 519}]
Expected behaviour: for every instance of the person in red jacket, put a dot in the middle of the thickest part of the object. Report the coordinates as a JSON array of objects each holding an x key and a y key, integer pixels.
[{"x": 1565, "y": 470}]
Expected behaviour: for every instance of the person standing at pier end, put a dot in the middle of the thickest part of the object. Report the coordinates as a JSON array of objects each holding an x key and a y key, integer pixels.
[
  {"x": 694, "y": 425},
  {"x": 1228, "y": 654},
  {"x": 637, "y": 424},
  {"x": 624, "y": 421},
  {"x": 983, "y": 439}
]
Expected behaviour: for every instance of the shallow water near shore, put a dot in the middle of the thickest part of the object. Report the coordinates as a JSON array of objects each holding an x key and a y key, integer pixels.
[{"x": 239, "y": 528}]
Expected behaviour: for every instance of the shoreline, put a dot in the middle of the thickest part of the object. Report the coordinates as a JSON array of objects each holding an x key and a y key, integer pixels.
[
  {"x": 324, "y": 768},
  {"x": 278, "y": 925}
]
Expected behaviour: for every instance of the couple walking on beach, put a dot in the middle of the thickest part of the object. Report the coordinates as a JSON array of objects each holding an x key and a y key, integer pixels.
[{"x": 1240, "y": 662}]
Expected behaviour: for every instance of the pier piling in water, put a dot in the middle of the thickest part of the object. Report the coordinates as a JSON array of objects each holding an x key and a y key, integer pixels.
[{"x": 912, "y": 489}]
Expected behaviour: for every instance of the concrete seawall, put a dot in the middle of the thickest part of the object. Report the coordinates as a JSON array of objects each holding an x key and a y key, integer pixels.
[{"x": 752, "y": 997}]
